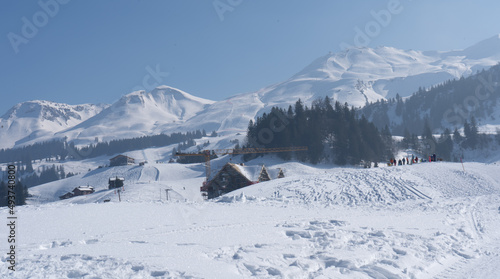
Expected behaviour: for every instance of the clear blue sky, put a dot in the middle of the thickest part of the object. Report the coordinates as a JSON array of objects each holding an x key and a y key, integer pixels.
[{"x": 95, "y": 51}]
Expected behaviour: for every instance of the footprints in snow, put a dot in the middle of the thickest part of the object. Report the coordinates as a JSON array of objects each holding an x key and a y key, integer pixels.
[
  {"x": 91, "y": 241},
  {"x": 85, "y": 266},
  {"x": 68, "y": 243}
]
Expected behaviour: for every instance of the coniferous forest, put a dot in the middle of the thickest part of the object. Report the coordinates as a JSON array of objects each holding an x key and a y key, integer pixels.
[
  {"x": 447, "y": 105},
  {"x": 332, "y": 133}
]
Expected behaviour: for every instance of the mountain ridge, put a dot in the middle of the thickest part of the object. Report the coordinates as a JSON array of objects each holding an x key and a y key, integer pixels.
[
  {"x": 357, "y": 76},
  {"x": 39, "y": 119}
]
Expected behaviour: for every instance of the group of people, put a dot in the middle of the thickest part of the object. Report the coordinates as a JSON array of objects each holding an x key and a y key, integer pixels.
[
  {"x": 412, "y": 160},
  {"x": 403, "y": 161}
]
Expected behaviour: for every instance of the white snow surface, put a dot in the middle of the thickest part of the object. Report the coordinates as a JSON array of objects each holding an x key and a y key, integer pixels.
[{"x": 429, "y": 220}]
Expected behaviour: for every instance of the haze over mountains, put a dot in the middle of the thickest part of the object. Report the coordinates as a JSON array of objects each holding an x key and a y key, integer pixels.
[{"x": 356, "y": 76}]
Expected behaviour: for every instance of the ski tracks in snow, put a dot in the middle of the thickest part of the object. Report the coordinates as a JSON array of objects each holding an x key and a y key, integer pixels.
[
  {"x": 348, "y": 187},
  {"x": 478, "y": 227},
  {"x": 149, "y": 173}
]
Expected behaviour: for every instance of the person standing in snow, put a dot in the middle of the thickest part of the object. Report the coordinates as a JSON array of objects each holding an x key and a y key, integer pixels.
[{"x": 399, "y": 162}]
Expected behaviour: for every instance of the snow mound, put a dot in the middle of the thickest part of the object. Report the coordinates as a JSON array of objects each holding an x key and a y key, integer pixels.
[{"x": 379, "y": 186}]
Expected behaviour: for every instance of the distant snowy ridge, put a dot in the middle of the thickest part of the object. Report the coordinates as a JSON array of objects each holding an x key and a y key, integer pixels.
[
  {"x": 361, "y": 75},
  {"x": 356, "y": 76},
  {"x": 33, "y": 120},
  {"x": 138, "y": 114}
]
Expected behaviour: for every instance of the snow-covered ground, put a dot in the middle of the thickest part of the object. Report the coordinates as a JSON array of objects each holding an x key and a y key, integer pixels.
[{"x": 430, "y": 220}]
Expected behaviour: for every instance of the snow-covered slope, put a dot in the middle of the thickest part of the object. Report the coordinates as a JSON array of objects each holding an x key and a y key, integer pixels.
[
  {"x": 36, "y": 120},
  {"x": 139, "y": 113},
  {"x": 430, "y": 220},
  {"x": 229, "y": 116}
]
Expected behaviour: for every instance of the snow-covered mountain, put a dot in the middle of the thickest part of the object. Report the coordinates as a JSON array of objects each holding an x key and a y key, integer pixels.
[
  {"x": 137, "y": 114},
  {"x": 34, "y": 120},
  {"x": 355, "y": 76},
  {"x": 361, "y": 75}
]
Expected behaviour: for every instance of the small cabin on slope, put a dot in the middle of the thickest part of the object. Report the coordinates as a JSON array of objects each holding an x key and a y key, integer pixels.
[
  {"x": 78, "y": 191},
  {"x": 235, "y": 176},
  {"x": 115, "y": 182},
  {"x": 121, "y": 160}
]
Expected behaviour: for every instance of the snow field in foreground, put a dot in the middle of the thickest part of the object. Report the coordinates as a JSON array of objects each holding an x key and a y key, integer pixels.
[{"x": 423, "y": 221}]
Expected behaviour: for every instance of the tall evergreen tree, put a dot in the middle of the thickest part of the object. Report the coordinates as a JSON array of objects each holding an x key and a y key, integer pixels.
[
  {"x": 445, "y": 145},
  {"x": 3, "y": 194}
]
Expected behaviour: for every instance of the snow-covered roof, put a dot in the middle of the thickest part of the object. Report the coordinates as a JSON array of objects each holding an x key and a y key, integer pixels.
[
  {"x": 85, "y": 188},
  {"x": 119, "y": 178},
  {"x": 273, "y": 173},
  {"x": 252, "y": 173},
  {"x": 119, "y": 156}
]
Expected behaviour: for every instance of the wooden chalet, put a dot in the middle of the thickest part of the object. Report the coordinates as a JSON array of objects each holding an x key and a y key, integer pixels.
[
  {"x": 78, "y": 191},
  {"x": 121, "y": 160},
  {"x": 67, "y": 196},
  {"x": 83, "y": 190},
  {"x": 235, "y": 176}
]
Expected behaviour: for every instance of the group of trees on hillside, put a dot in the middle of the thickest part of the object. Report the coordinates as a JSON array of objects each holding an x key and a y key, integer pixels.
[
  {"x": 446, "y": 105},
  {"x": 21, "y": 193},
  {"x": 61, "y": 150},
  {"x": 331, "y": 133},
  {"x": 447, "y": 142},
  {"x": 46, "y": 175},
  {"x": 123, "y": 145}
]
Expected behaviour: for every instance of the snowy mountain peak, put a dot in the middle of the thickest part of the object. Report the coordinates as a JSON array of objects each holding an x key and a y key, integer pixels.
[
  {"x": 51, "y": 111},
  {"x": 161, "y": 95},
  {"x": 355, "y": 76},
  {"x": 360, "y": 75},
  {"x": 37, "y": 119},
  {"x": 140, "y": 113}
]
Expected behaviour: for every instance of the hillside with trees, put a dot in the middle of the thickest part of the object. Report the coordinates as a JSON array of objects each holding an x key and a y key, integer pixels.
[
  {"x": 448, "y": 105},
  {"x": 332, "y": 133}
]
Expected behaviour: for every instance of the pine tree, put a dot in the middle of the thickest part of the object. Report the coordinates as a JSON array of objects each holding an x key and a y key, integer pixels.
[
  {"x": 473, "y": 137},
  {"x": 3, "y": 194},
  {"x": 388, "y": 142},
  {"x": 20, "y": 193},
  {"x": 399, "y": 105},
  {"x": 427, "y": 133},
  {"x": 445, "y": 146},
  {"x": 457, "y": 137},
  {"x": 406, "y": 142}
]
